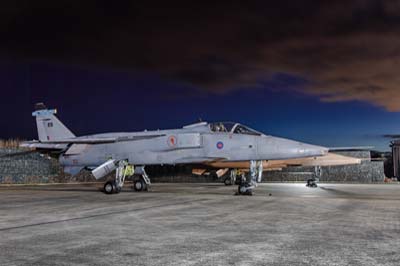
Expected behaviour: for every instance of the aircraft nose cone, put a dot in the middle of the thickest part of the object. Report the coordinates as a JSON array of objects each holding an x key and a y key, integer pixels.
[
  {"x": 310, "y": 150},
  {"x": 280, "y": 148}
]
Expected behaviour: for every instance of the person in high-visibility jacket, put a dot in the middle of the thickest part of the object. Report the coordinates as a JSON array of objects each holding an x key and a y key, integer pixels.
[{"x": 129, "y": 170}]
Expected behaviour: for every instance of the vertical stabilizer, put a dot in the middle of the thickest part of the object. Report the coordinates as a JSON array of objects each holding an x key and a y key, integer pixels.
[{"x": 48, "y": 126}]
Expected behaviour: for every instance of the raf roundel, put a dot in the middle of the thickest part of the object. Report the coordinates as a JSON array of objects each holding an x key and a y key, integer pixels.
[{"x": 220, "y": 145}]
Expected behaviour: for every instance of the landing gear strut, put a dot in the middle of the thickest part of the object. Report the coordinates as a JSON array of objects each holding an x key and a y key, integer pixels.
[
  {"x": 246, "y": 186},
  {"x": 143, "y": 183},
  {"x": 312, "y": 182},
  {"x": 231, "y": 178},
  {"x": 121, "y": 173},
  {"x": 125, "y": 170}
]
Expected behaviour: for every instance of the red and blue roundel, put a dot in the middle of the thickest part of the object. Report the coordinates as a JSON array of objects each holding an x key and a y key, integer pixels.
[{"x": 220, "y": 145}]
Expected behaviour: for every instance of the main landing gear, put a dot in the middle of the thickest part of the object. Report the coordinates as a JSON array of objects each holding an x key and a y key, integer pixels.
[
  {"x": 109, "y": 187},
  {"x": 143, "y": 183},
  {"x": 121, "y": 173},
  {"x": 235, "y": 177},
  {"x": 246, "y": 186},
  {"x": 125, "y": 170}
]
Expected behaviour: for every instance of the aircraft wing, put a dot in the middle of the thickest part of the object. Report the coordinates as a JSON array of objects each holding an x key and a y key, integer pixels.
[
  {"x": 330, "y": 159},
  {"x": 87, "y": 140}
]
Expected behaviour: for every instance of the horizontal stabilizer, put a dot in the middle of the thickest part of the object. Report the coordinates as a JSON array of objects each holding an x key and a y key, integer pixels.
[
  {"x": 82, "y": 141},
  {"x": 42, "y": 146}
]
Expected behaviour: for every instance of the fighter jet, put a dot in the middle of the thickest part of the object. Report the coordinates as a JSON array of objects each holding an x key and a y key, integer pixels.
[{"x": 129, "y": 153}]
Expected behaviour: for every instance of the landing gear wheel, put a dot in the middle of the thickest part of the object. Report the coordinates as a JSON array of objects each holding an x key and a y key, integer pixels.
[
  {"x": 244, "y": 190},
  {"x": 139, "y": 185},
  {"x": 228, "y": 181},
  {"x": 311, "y": 183},
  {"x": 109, "y": 187}
]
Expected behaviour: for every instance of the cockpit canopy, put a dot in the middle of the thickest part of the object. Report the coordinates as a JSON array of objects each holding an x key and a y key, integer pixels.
[{"x": 231, "y": 127}]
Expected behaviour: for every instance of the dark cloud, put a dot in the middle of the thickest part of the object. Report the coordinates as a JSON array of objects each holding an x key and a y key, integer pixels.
[{"x": 346, "y": 50}]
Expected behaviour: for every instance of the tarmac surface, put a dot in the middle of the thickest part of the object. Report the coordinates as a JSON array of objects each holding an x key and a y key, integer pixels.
[{"x": 201, "y": 224}]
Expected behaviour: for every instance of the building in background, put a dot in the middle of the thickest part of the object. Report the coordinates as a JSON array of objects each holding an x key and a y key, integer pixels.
[{"x": 395, "y": 145}]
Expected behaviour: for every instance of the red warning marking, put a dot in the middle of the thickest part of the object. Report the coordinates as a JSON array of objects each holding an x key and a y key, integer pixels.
[{"x": 172, "y": 141}]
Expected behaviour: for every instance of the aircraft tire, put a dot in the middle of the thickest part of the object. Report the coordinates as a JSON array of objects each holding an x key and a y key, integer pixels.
[
  {"x": 240, "y": 190},
  {"x": 109, "y": 187},
  {"x": 248, "y": 192},
  {"x": 311, "y": 183},
  {"x": 228, "y": 182},
  {"x": 139, "y": 185}
]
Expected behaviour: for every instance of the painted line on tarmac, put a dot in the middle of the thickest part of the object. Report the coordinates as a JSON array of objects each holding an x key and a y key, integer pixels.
[
  {"x": 48, "y": 184},
  {"x": 100, "y": 215}
]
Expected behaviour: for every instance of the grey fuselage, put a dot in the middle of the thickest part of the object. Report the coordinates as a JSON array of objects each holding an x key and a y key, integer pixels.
[{"x": 196, "y": 143}]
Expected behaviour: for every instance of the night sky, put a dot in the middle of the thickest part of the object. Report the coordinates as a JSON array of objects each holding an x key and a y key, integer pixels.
[{"x": 325, "y": 72}]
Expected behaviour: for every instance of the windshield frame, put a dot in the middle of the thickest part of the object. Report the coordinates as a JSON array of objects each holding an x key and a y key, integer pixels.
[
  {"x": 222, "y": 127},
  {"x": 249, "y": 130}
]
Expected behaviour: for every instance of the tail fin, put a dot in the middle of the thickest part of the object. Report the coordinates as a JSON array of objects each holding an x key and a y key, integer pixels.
[{"x": 48, "y": 126}]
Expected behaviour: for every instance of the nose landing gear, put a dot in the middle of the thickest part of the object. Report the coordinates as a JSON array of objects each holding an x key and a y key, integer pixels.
[
  {"x": 255, "y": 174},
  {"x": 245, "y": 189},
  {"x": 312, "y": 182},
  {"x": 125, "y": 170}
]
